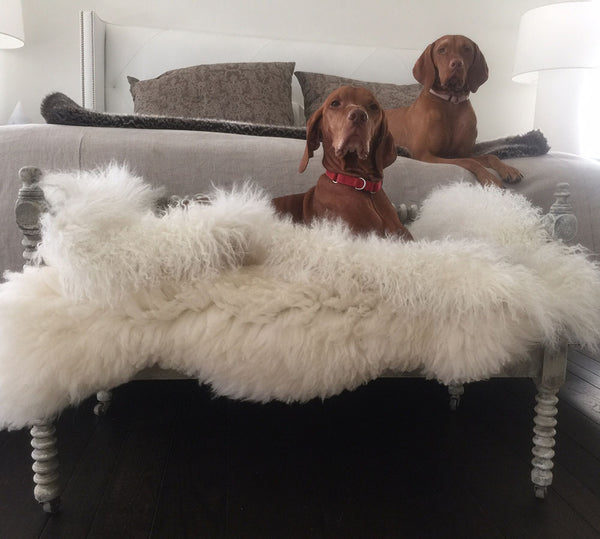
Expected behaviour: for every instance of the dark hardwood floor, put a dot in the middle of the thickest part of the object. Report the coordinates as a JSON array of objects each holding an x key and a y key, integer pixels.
[{"x": 387, "y": 460}]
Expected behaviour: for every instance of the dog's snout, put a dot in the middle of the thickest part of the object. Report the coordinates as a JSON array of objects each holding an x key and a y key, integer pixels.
[
  {"x": 357, "y": 116},
  {"x": 455, "y": 63}
]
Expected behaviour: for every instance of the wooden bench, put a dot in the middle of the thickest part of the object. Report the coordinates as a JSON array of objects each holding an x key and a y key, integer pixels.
[{"x": 546, "y": 366}]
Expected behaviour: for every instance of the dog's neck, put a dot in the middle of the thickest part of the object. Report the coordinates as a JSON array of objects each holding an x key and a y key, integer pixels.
[
  {"x": 360, "y": 184},
  {"x": 350, "y": 165},
  {"x": 450, "y": 97}
]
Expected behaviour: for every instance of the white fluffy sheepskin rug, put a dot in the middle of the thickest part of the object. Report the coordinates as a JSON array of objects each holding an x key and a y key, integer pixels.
[{"x": 260, "y": 308}]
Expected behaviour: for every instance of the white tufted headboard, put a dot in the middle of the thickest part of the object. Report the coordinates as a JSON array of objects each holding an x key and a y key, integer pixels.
[{"x": 110, "y": 52}]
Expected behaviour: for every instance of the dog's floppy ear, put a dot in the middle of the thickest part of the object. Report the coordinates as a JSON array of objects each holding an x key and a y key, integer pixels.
[
  {"x": 424, "y": 68},
  {"x": 478, "y": 72},
  {"x": 313, "y": 137},
  {"x": 384, "y": 150}
]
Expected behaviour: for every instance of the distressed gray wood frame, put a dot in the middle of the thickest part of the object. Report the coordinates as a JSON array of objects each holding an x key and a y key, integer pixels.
[{"x": 546, "y": 365}]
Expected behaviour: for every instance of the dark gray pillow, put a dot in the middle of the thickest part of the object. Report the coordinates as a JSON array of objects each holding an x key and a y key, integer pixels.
[
  {"x": 259, "y": 92},
  {"x": 317, "y": 86}
]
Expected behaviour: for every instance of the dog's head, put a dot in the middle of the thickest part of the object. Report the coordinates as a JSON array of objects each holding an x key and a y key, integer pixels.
[
  {"x": 353, "y": 129},
  {"x": 452, "y": 64}
]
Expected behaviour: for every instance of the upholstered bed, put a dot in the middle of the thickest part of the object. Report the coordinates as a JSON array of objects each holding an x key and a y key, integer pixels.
[
  {"x": 187, "y": 161},
  {"x": 258, "y": 142}
]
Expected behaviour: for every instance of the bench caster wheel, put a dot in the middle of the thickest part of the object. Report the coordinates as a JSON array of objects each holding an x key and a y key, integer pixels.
[
  {"x": 103, "y": 404},
  {"x": 51, "y": 506}
]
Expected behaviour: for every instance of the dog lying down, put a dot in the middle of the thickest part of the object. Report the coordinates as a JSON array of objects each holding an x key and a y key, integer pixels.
[
  {"x": 357, "y": 146},
  {"x": 441, "y": 126}
]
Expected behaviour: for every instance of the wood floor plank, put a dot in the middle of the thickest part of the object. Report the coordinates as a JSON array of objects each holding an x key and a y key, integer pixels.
[
  {"x": 577, "y": 441},
  {"x": 193, "y": 493},
  {"x": 92, "y": 471},
  {"x": 591, "y": 365},
  {"x": 387, "y": 460},
  {"x": 405, "y": 467},
  {"x": 4, "y": 437},
  {"x": 372, "y": 461},
  {"x": 576, "y": 468},
  {"x": 578, "y": 460},
  {"x": 274, "y": 471},
  {"x": 583, "y": 396},
  {"x": 129, "y": 501},
  {"x": 579, "y": 427},
  {"x": 585, "y": 358},
  {"x": 583, "y": 500},
  {"x": 20, "y": 515},
  {"x": 508, "y": 499},
  {"x": 73, "y": 430},
  {"x": 508, "y": 496},
  {"x": 587, "y": 377},
  {"x": 580, "y": 371}
]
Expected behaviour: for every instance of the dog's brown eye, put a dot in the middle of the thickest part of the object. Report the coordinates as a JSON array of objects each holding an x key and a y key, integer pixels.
[
  {"x": 374, "y": 107},
  {"x": 335, "y": 104},
  {"x": 442, "y": 50}
]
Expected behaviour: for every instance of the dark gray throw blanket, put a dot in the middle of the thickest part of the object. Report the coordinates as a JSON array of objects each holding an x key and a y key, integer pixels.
[
  {"x": 528, "y": 145},
  {"x": 57, "y": 108}
]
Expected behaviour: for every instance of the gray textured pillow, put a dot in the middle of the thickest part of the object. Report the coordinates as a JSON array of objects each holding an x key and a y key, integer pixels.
[
  {"x": 317, "y": 86},
  {"x": 258, "y": 92}
]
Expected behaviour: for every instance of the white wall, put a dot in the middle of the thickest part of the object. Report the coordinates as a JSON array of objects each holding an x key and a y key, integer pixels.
[{"x": 50, "y": 59}]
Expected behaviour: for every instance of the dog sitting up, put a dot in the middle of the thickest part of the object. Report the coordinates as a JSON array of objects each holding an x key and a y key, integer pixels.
[{"x": 357, "y": 146}]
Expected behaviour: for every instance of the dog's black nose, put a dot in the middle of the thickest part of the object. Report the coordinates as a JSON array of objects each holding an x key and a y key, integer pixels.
[
  {"x": 357, "y": 116},
  {"x": 456, "y": 63}
]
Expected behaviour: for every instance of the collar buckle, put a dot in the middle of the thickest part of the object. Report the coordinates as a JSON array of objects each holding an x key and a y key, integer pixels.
[{"x": 359, "y": 183}]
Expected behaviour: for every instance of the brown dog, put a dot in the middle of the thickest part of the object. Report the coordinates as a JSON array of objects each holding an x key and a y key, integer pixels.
[
  {"x": 357, "y": 146},
  {"x": 441, "y": 126}
]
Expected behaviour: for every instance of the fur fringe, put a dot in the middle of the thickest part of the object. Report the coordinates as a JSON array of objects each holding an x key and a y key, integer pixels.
[{"x": 261, "y": 309}]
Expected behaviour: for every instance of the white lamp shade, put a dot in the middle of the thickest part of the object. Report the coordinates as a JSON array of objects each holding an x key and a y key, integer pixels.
[
  {"x": 11, "y": 24},
  {"x": 558, "y": 36}
]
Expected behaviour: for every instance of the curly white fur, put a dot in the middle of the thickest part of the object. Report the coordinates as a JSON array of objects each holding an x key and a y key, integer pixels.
[{"x": 260, "y": 308}]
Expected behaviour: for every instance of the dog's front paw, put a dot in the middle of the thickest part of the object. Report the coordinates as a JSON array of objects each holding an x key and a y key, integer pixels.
[
  {"x": 487, "y": 178},
  {"x": 511, "y": 174}
]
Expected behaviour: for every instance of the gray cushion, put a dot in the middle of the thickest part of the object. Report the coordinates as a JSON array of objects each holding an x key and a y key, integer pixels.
[
  {"x": 250, "y": 92},
  {"x": 317, "y": 86}
]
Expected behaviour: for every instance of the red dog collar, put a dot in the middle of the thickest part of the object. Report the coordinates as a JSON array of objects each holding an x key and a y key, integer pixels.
[{"x": 360, "y": 184}]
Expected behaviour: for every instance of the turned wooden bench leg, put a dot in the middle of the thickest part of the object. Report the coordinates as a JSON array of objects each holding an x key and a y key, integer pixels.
[
  {"x": 543, "y": 440},
  {"x": 544, "y": 431},
  {"x": 45, "y": 465},
  {"x": 30, "y": 206}
]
